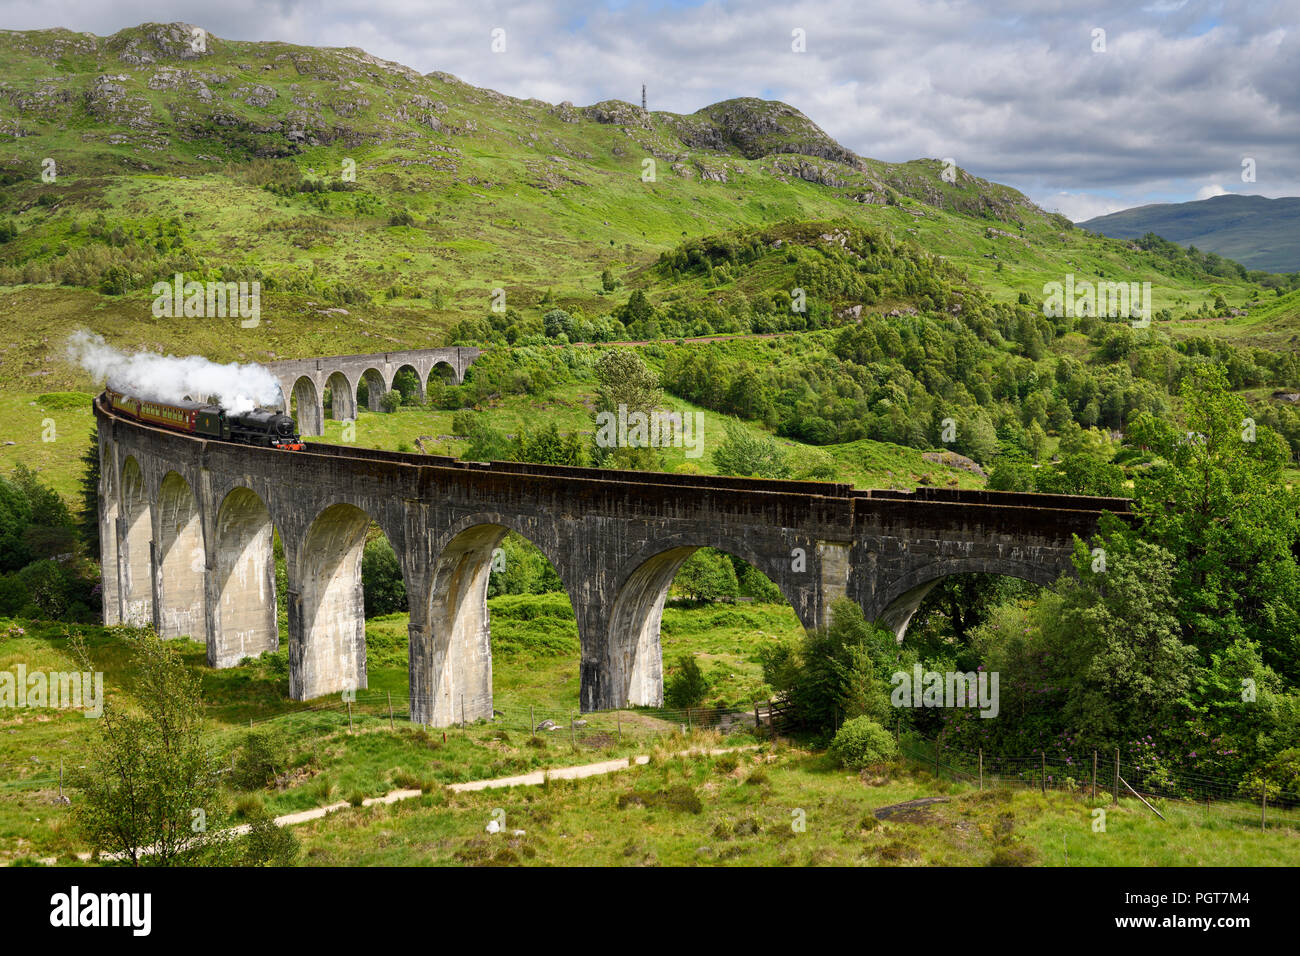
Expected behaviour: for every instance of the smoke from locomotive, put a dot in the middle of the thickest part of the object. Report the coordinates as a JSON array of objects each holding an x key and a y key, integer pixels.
[{"x": 238, "y": 389}]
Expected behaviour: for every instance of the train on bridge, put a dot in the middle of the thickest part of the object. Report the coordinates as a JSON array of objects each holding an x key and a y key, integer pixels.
[{"x": 261, "y": 426}]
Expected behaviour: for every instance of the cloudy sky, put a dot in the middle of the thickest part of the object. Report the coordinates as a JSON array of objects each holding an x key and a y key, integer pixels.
[{"x": 1087, "y": 107}]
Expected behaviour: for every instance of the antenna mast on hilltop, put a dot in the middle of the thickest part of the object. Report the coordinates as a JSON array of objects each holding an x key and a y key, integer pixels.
[{"x": 642, "y": 97}]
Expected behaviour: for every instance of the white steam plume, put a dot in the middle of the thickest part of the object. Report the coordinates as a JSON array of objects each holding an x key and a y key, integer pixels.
[{"x": 166, "y": 378}]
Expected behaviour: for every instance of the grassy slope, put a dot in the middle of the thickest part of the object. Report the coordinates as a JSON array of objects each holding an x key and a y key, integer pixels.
[
  {"x": 746, "y": 805},
  {"x": 745, "y": 818}
]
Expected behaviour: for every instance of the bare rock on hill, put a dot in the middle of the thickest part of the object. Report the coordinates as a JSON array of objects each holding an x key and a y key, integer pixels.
[{"x": 951, "y": 459}]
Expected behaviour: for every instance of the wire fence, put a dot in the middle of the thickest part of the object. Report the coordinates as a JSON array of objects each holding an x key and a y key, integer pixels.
[{"x": 1098, "y": 775}]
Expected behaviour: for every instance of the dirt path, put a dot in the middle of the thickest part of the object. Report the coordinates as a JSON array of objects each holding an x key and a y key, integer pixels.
[{"x": 534, "y": 779}]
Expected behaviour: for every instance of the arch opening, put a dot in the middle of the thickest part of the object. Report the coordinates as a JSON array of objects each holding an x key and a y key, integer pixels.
[
  {"x": 244, "y": 591},
  {"x": 693, "y": 583},
  {"x": 306, "y": 408},
  {"x": 135, "y": 556},
  {"x": 181, "y": 561},
  {"x": 453, "y": 664},
  {"x": 409, "y": 384},
  {"x": 340, "y": 398},
  {"x": 940, "y": 589},
  {"x": 327, "y": 626},
  {"x": 371, "y": 389}
]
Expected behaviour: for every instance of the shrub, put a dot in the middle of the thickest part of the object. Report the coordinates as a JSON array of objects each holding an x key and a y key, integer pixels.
[
  {"x": 687, "y": 685},
  {"x": 862, "y": 741},
  {"x": 257, "y": 762}
]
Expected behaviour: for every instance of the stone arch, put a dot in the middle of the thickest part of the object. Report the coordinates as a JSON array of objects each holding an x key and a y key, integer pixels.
[
  {"x": 894, "y": 609},
  {"x": 451, "y": 653},
  {"x": 632, "y": 658},
  {"x": 444, "y": 371},
  {"x": 343, "y": 397},
  {"x": 419, "y": 379},
  {"x": 327, "y": 622},
  {"x": 180, "y": 561},
  {"x": 305, "y": 406},
  {"x": 243, "y": 580},
  {"x": 135, "y": 547},
  {"x": 376, "y": 388}
]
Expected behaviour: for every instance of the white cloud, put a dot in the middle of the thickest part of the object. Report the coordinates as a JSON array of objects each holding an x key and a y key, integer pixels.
[
  {"x": 1209, "y": 192},
  {"x": 1080, "y": 206}
]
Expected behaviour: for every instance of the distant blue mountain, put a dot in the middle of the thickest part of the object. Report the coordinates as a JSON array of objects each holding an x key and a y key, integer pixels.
[{"x": 1257, "y": 232}]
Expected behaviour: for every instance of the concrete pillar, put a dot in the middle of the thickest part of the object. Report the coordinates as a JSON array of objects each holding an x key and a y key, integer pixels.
[
  {"x": 241, "y": 581},
  {"x": 181, "y": 605},
  {"x": 109, "y": 512},
  {"x": 135, "y": 549},
  {"x": 834, "y": 560},
  {"x": 327, "y": 625}
]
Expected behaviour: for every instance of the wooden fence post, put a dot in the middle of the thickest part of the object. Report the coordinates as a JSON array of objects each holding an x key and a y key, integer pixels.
[
  {"x": 349, "y": 716},
  {"x": 532, "y": 724},
  {"x": 1043, "y": 777},
  {"x": 1094, "y": 775},
  {"x": 981, "y": 768},
  {"x": 1115, "y": 801},
  {"x": 390, "y": 711}
]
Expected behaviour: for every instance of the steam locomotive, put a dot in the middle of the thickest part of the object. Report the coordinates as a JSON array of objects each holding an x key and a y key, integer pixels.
[{"x": 261, "y": 426}]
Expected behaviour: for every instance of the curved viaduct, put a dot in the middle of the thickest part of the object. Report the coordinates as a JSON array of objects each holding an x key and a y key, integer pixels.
[
  {"x": 304, "y": 381},
  {"x": 187, "y": 523}
]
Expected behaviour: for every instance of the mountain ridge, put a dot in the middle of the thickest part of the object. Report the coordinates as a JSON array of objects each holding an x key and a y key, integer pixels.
[
  {"x": 253, "y": 98},
  {"x": 1259, "y": 232}
]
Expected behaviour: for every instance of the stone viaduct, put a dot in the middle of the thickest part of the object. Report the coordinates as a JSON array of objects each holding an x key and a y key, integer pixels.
[
  {"x": 187, "y": 531},
  {"x": 304, "y": 381}
]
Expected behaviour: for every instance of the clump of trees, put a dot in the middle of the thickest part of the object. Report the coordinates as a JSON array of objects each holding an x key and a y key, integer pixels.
[
  {"x": 44, "y": 572},
  {"x": 1176, "y": 641}
]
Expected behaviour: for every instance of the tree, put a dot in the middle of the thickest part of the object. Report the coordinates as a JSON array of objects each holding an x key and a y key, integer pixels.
[
  {"x": 88, "y": 524},
  {"x": 148, "y": 789},
  {"x": 686, "y": 685},
  {"x": 624, "y": 386},
  {"x": 557, "y": 322},
  {"x": 382, "y": 583},
  {"x": 1081, "y": 474},
  {"x": 840, "y": 670},
  {"x": 743, "y": 453},
  {"x": 707, "y": 575},
  {"x": 1115, "y": 643},
  {"x": 638, "y": 309},
  {"x": 547, "y": 446},
  {"x": 1217, "y": 501},
  {"x": 1037, "y": 440}
]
